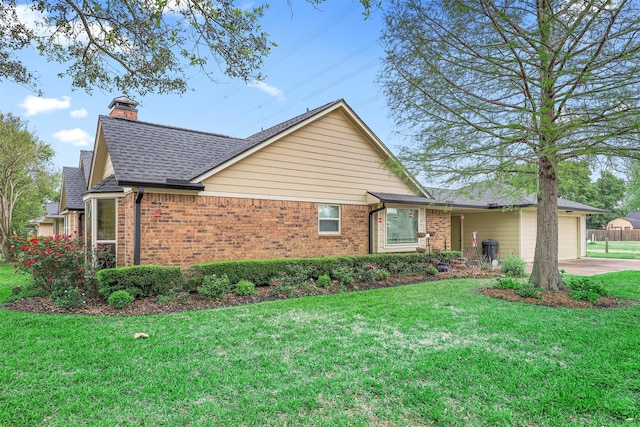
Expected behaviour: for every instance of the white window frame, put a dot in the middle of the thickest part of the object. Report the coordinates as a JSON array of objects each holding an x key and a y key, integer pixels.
[
  {"x": 338, "y": 219},
  {"x": 93, "y": 240},
  {"x": 388, "y": 240}
]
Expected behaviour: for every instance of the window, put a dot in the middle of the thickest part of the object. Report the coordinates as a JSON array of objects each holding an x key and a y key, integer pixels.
[
  {"x": 329, "y": 218},
  {"x": 101, "y": 229},
  {"x": 402, "y": 226},
  {"x": 106, "y": 218},
  {"x": 67, "y": 227}
]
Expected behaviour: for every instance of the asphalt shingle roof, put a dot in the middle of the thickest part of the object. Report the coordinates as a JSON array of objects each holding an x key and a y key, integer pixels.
[
  {"x": 497, "y": 197},
  {"x": 75, "y": 186},
  {"x": 51, "y": 208},
  {"x": 107, "y": 185},
  {"x": 85, "y": 158},
  {"x": 150, "y": 153}
]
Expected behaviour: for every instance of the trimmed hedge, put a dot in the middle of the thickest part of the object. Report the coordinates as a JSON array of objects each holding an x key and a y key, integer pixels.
[
  {"x": 261, "y": 272},
  {"x": 139, "y": 280}
]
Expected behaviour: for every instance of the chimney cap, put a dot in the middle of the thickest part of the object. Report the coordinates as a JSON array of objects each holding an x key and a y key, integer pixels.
[{"x": 123, "y": 102}]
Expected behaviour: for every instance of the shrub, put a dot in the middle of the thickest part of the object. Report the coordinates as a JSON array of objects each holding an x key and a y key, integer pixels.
[
  {"x": 293, "y": 283},
  {"x": 214, "y": 287},
  {"x": 586, "y": 289},
  {"x": 324, "y": 281},
  {"x": 69, "y": 297},
  {"x": 182, "y": 297},
  {"x": 514, "y": 266},
  {"x": 529, "y": 291},
  {"x": 56, "y": 264},
  {"x": 507, "y": 283},
  {"x": 431, "y": 270},
  {"x": 139, "y": 280},
  {"x": 245, "y": 287},
  {"x": 120, "y": 299},
  {"x": 371, "y": 273},
  {"x": 343, "y": 275}
]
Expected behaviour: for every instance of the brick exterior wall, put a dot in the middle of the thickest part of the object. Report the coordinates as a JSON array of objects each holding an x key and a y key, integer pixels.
[
  {"x": 187, "y": 229},
  {"x": 439, "y": 224}
]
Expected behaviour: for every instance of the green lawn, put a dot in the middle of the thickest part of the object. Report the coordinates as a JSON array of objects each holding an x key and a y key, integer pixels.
[
  {"x": 621, "y": 250},
  {"x": 436, "y": 353}
]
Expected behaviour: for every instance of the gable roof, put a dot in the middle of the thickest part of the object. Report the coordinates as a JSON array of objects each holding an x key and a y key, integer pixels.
[
  {"x": 85, "y": 164},
  {"x": 51, "y": 208},
  {"x": 496, "y": 197},
  {"x": 168, "y": 157}
]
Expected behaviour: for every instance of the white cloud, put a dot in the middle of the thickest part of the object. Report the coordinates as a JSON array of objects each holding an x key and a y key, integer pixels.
[
  {"x": 76, "y": 137},
  {"x": 268, "y": 89},
  {"x": 36, "y": 105},
  {"x": 78, "y": 114}
]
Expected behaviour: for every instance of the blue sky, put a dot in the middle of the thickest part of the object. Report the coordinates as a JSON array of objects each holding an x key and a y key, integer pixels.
[{"x": 323, "y": 54}]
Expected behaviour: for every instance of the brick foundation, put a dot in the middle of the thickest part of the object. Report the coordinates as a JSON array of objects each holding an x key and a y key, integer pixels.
[{"x": 186, "y": 230}]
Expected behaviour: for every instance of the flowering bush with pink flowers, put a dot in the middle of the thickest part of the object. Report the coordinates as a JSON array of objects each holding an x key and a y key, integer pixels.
[{"x": 60, "y": 267}]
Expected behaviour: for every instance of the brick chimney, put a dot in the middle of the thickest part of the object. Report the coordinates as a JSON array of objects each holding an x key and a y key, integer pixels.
[{"x": 124, "y": 107}]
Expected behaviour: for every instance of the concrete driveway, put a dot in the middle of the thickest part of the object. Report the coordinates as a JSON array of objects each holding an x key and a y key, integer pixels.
[{"x": 591, "y": 266}]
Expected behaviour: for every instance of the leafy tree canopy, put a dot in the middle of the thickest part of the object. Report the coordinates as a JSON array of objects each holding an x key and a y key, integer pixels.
[
  {"x": 25, "y": 176},
  {"x": 135, "y": 46},
  {"x": 495, "y": 86}
]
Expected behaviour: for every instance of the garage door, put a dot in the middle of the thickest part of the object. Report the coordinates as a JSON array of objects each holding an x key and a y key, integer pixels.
[{"x": 568, "y": 237}]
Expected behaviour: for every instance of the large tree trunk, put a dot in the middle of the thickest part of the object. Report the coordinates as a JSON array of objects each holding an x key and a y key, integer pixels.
[{"x": 545, "y": 262}]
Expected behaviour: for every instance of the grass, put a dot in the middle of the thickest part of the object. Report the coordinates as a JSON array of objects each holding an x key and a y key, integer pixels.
[
  {"x": 436, "y": 353},
  {"x": 620, "y": 250}
]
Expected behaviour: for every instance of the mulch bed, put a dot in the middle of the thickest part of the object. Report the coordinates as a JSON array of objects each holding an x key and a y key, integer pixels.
[{"x": 150, "y": 305}]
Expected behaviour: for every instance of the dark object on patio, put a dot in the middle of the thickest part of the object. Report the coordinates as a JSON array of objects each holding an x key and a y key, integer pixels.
[{"x": 442, "y": 268}]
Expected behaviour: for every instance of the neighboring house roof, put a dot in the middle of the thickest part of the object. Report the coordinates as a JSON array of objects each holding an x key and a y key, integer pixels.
[
  {"x": 633, "y": 218},
  {"x": 497, "y": 197},
  {"x": 75, "y": 186},
  {"x": 51, "y": 208}
]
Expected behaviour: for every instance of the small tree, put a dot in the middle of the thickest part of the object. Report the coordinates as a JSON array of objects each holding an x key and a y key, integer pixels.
[{"x": 25, "y": 162}]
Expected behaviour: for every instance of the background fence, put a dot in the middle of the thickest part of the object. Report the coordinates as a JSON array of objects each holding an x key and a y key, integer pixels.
[{"x": 615, "y": 235}]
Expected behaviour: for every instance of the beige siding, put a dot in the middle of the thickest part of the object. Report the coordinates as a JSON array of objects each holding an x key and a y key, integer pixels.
[
  {"x": 528, "y": 230},
  {"x": 327, "y": 159},
  {"x": 495, "y": 225},
  {"x": 568, "y": 237},
  {"x": 102, "y": 166},
  {"x": 620, "y": 223}
]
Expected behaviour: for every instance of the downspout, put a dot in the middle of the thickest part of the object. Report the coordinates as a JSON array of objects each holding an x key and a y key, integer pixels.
[
  {"x": 136, "y": 228},
  {"x": 383, "y": 207}
]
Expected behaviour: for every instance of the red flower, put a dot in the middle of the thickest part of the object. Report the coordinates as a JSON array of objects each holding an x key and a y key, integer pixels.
[
  {"x": 12, "y": 248},
  {"x": 79, "y": 280},
  {"x": 33, "y": 240},
  {"x": 55, "y": 264},
  {"x": 51, "y": 279},
  {"x": 57, "y": 253},
  {"x": 25, "y": 248},
  {"x": 79, "y": 271}
]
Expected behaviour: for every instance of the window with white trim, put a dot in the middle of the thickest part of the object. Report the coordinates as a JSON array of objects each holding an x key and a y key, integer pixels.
[
  {"x": 329, "y": 219},
  {"x": 402, "y": 226}
]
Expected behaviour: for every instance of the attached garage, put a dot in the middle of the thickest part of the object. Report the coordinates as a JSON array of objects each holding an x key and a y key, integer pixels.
[{"x": 513, "y": 224}]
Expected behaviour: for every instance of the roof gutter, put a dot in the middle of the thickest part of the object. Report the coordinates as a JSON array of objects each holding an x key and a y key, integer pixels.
[
  {"x": 136, "y": 227},
  {"x": 383, "y": 207}
]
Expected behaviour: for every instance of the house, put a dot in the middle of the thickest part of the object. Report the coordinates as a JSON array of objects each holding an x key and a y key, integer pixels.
[
  {"x": 498, "y": 213},
  {"x": 629, "y": 222},
  {"x": 319, "y": 184},
  {"x": 49, "y": 224},
  {"x": 74, "y": 185}
]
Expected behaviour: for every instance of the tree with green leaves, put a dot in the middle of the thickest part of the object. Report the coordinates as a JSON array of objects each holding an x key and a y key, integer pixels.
[
  {"x": 142, "y": 46},
  {"x": 25, "y": 175},
  {"x": 488, "y": 86},
  {"x": 135, "y": 46}
]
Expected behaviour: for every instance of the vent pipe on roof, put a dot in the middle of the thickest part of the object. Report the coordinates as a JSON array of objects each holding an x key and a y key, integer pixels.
[{"x": 124, "y": 107}]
